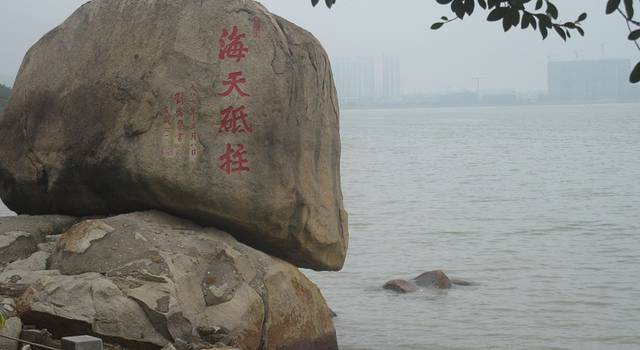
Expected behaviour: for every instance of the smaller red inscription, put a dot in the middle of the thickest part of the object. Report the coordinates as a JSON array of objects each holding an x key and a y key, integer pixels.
[
  {"x": 257, "y": 24},
  {"x": 179, "y": 98}
]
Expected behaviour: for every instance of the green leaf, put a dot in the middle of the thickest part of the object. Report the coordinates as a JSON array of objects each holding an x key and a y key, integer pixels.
[
  {"x": 635, "y": 75},
  {"x": 543, "y": 31},
  {"x": 482, "y": 4},
  {"x": 2, "y": 320},
  {"x": 544, "y": 20},
  {"x": 534, "y": 24},
  {"x": 560, "y": 32},
  {"x": 469, "y": 6},
  {"x": 497, "y": 14},
  {"x": 635, "y": 35},
  {"x": 527, "y": 20},
  {"x": 628, "y": 5},
  {"x": 437, "y": 25},
  {"x": 444, "y": 18},
  {"x": 314, "y": 2},
  {"x": 457, "y": 6},
  {"x": 539, "y": 4},
  {"x": 506, "y": 23},
  {"x": 580, "y": 30},
  {"x": 552, "y": 10},
  {"x": 582, "y": 17},
  {"x": 511, "y": 19},
  {"x": 612, "y": 6}
]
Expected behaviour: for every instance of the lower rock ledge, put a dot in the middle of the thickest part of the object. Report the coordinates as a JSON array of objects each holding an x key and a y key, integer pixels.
[{"x": 154, "y": 281}]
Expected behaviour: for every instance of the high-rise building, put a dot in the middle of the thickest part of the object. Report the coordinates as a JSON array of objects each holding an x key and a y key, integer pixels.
[
  {"x": 589, "y": 80},
  {"x": 355, "y": 77},
  {"x": 390, "y": 76}
]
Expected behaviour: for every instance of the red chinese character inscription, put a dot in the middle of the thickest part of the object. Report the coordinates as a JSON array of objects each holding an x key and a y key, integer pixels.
[
  {"x": 231, "y": 45},
  {"x": 233, "y": 160},
  {"x": 233, "y": 83},
  {"x": 179, "y": 98},
  {"x": 234, "y": 120}
]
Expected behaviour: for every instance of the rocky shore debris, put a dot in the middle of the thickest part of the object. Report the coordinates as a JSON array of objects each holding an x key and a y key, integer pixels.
[
  {"x": 148, "y": 279},
  {"x": 430, "y": 279}
]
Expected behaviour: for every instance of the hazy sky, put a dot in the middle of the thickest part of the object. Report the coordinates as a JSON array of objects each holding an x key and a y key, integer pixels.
[{"x": 443, "y": 60}]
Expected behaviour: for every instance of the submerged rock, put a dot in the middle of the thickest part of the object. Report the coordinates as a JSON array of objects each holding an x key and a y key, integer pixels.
[
  {"x": 463, "y": 283},
  {"x": 212, "y": 110},
  {"x": 401, "y": 286},
  {"x": 436, "y": 279},
  {"x": 146, "y": 280}
]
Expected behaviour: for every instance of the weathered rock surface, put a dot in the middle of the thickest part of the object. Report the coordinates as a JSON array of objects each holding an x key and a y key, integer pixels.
[
  {"x": 20, "y": 235},
  {"x": 121, "y": 108},
  {"x": 146, "y": 280},
  {"x": 12, "y": 326},
  {"x": 436, "y": 279},
  {"x": 401, "y": 286}
]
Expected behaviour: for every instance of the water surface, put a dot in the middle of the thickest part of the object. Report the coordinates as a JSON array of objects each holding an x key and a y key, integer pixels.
[{"x": 540, "y": 205}]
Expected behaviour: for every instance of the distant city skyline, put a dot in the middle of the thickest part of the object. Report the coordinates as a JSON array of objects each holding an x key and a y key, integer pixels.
[
  {"x": 355, "y": 77},
  {"x": 568, "y": 81},
  {"x": 590, "y": 80},
  {"x": 391, "y": 80},
  {"x": 367, "y": 77},
  {"x": 446, "y": 60}
]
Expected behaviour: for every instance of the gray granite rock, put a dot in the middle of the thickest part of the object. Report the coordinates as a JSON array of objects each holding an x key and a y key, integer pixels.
[
  {"x": 122, "y": 108},
  {"x": 148, "y": 279}
]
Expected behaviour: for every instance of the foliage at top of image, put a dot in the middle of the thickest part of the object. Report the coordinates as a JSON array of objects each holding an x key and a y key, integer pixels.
[
  {"x": 4, "y": 96},
  {"x": 539, "y": 15}
]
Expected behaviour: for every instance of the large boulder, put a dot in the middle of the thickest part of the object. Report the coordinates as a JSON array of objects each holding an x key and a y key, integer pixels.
[
  {"x": 214, "y": 110},
  {"x": 146, "y": 280}
]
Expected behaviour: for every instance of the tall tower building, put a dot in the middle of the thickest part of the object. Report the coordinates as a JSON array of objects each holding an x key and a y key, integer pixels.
[
  {"x": 589, "y": 80},
  {"x": 390, "y": 76},
  {"x": 355, "y": 77}
]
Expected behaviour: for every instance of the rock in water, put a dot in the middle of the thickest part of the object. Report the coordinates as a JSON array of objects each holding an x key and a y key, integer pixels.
[
  {"x": 215, "y": 110},
  {"x": 146, "y": 280},
  {"x": 436, "y": 279},
  {"x": 401, "y": 286}
]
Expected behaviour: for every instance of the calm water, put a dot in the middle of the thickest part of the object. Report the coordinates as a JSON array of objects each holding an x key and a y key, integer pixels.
[{"x": 539, "y": 205}]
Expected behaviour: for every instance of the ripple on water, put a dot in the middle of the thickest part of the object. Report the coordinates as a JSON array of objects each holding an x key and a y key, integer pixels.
[{"x": 539, "y": 205}]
